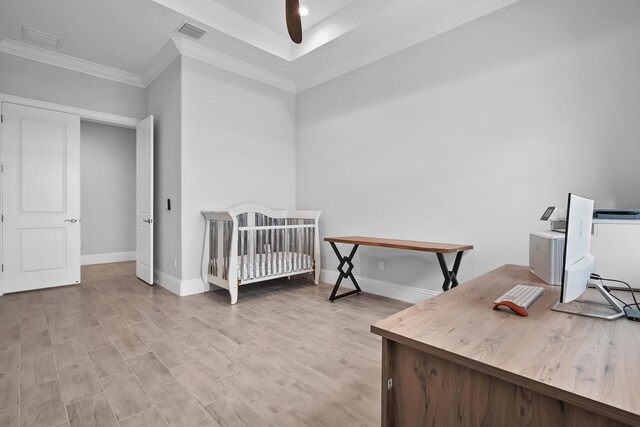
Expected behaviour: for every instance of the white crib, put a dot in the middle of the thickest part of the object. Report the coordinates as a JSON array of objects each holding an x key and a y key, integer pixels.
[{"x": 266, "y": 243}]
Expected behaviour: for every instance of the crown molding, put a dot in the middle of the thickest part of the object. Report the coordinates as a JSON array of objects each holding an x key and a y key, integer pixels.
[
  {"x": 217, "y": 59},
  {"x": 174, "y": 47},
  {"x": 58, "y": 59},
  {"x": 160, "y": 62}
]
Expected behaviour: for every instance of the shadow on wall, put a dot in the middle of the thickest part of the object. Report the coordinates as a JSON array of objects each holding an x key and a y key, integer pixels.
[{"x": 467, "y": 137}]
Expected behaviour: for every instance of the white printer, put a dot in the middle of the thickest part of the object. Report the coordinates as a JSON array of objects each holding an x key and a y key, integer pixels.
[
  {"x": 546, "y": 249},
  {"x": 615, "y": 245}
]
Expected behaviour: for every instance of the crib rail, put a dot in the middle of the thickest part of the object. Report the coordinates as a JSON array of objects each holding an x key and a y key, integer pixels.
[
  {"x": 282, "y": 246},
  {"x": 271, "y": 250}
]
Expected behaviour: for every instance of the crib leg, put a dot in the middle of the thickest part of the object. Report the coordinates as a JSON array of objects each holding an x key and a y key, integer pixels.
[{"x": 233, "y": 292}]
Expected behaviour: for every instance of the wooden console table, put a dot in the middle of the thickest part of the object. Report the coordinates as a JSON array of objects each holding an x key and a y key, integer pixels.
[
  {"x": 450, "y": 276},
  {"x": 453, "y": 361}
]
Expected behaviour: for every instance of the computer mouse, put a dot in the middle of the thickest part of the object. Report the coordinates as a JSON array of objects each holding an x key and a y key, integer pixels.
[{"x": 516, "y": 308}]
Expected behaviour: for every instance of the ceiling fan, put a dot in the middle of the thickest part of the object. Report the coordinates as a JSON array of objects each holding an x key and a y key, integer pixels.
[{"x": 294, "y": 22}]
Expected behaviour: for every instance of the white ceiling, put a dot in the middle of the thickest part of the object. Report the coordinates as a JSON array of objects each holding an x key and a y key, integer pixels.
[{"x": 131, "y": 40}]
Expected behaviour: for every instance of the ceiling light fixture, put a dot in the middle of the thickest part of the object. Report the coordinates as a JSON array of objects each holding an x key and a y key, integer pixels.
[{"x": 304, "y": 11}]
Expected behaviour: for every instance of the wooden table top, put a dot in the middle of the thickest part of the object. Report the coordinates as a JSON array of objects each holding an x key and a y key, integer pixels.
[
  {"x": 589, "y": 362},
  {"x": 443, "y": 248}
]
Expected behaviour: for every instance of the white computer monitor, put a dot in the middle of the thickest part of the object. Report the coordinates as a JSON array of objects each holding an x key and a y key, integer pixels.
[{"x": 578, "y": 262}]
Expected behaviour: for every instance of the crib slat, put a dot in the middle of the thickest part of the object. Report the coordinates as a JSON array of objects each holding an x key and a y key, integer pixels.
[
  {"x": 287, "y": 243},
  {"x": 310, "y": 238},
  {"x": 305, "y": 237},
  {"x": 213, "y": 249},
  {"x": 216, "y": 250},
  {"x": 241, "y": 249},
  {"x": 294, "y": 250},
  {"x": 270, "y": 271},
  {"x": 261, "y": 253},
  {"x": 228, "y": 244},
  {"x": 252, "y": 251},
  {"x": 305, "y": 259},
  {"x": 301, "y": 249},
  {"x": 280, "y": 244},
  {"x": 297, "y": 249},
  {"x": 225, "y": 274},
  {"x": 224, "y": 251}
]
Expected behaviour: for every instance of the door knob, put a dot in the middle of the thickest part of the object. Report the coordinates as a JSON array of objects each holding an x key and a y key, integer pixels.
[
  {"x": 71, "y": 220},
  {"x": 148, "y": 221}
]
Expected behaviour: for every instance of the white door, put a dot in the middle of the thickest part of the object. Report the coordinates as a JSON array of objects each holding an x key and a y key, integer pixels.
[
  {"x": 144, "y": 200},
  {"x": 40, "y": 156}
]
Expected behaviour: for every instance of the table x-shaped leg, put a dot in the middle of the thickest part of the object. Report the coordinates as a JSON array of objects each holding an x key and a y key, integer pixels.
[
  {"x": 344, "y": 274},
  {"x": 450, "y": 279}
]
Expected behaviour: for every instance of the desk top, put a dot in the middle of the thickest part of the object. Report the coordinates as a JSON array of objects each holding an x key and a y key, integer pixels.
[
  {"x": 443, "y": 248},
  {"x": 589, "y": 362}
]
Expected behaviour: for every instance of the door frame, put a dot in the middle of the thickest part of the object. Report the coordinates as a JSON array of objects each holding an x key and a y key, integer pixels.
[{"x": 84, "y": 113}]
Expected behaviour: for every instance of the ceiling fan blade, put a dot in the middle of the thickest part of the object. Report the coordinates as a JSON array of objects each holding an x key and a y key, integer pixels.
[{"x": 294, "y": 22}]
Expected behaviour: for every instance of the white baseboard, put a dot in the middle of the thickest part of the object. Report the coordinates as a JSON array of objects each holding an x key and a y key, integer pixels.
[
  {"x": 191, "y": 287},
  {"x": 409, "y": 294},
  {"x": 178, "y": 287},
  {"x": 107, "y": 258}
]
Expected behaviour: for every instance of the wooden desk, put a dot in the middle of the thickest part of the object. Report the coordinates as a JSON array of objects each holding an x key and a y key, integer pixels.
[
  {"x": 450, "y": 279},
  {"x": 455, "y": 361}
]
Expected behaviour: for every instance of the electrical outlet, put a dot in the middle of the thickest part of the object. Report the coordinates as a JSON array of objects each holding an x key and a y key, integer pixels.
[
  {"x": 381, "y": 265},
  {"x": 389, "y": 383},
  {"x": 175, "y": 263}
]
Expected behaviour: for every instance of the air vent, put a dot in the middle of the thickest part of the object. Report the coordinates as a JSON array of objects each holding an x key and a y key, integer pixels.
[
  {"x": 191, "y": 30},
  {"x": 40, "y": 37}
]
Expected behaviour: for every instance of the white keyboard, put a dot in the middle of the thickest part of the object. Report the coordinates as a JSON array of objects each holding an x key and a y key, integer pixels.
[{"x": 521, "y": 295}]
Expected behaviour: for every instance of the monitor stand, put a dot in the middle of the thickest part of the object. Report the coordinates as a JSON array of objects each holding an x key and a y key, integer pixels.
[
  {"x": 613, "y": 304},
  {"x": 619, "y": 288}
]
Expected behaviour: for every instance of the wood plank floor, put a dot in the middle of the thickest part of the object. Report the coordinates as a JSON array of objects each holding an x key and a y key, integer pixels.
[{"x": 115, "y": 351}]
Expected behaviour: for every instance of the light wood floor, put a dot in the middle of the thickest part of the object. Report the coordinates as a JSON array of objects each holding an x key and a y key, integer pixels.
[{"x": 115, "y": 351}]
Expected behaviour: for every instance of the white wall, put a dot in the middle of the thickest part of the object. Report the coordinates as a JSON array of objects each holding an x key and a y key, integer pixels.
[
  {"x": 164, "y": 98},
  {"x": 44, "y": 82},
  {"x": 467, "y": 137},
  {"x": 238, "y": 146},
  {"x": 108, "y": 192}
]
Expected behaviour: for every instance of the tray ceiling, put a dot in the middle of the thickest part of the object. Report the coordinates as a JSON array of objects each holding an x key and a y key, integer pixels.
[{"x": 139, "y": 37}]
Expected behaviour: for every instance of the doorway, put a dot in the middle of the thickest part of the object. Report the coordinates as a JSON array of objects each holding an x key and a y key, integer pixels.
[
  {"x": 40, "y": 193},
  {"x": 107, "y": 193}
]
